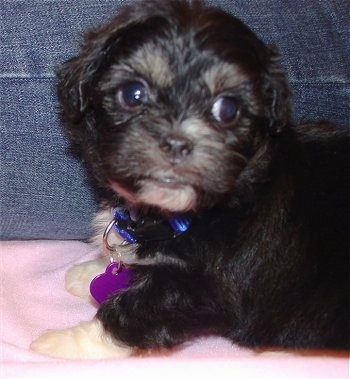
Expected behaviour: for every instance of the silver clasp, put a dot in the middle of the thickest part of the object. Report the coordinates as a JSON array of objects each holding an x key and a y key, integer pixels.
[{"x": 111, "y": 249}]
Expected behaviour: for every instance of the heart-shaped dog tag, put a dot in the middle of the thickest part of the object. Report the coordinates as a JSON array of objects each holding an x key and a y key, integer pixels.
[{"x": 113, "y": 280}]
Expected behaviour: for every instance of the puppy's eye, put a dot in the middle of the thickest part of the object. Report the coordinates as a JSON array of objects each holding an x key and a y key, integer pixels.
[
  {"x": 132, "y": 95},
  {"x": 225, "y": 109}
]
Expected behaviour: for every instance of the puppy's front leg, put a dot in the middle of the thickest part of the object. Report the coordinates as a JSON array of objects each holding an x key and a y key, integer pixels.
[
  {"x": 166, "y": 308},
  {"x": 78, "y": 277},
  {"x": 88, "y": 340}
]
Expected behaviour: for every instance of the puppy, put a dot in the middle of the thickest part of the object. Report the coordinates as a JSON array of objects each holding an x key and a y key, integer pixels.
[{"x": 182, "y": 116}]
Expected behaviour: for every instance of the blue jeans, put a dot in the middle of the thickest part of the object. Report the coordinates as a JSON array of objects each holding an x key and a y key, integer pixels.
[{"x": 44, "y": 191}]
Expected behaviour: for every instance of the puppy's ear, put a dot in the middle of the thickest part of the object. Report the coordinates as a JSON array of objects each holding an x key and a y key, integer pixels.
[
  {"x": 276, "y": 93},
  {"x": 77, "y": 76},
  {"x": 70, "y": 89}
]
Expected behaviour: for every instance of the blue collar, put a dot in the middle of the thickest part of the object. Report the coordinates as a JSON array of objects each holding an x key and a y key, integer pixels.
[{"x": 149, "y": 228}]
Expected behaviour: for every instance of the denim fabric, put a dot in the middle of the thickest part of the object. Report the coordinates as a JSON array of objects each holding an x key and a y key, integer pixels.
[{"x": 43, "y": 189}]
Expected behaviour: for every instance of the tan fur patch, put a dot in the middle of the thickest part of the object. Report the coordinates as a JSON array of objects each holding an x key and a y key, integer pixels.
[
  {"x": 151, "y": 62},
  {"x": 223, "y": 76}
]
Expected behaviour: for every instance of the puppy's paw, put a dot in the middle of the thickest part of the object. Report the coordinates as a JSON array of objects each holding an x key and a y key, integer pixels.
[
  {"x": 88, "y": 340},
  {"x": 78, "y": 278}
]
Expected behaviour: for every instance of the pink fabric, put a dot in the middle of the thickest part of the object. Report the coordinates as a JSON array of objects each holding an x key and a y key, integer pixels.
[{"x": 33, "y": 299}]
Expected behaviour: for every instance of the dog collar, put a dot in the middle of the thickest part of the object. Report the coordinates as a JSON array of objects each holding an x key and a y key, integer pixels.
[{"x": 148, "y": 228}]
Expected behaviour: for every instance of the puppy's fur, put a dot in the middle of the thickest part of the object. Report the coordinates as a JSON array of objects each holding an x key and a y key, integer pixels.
[{"x": 207, "y": 131}]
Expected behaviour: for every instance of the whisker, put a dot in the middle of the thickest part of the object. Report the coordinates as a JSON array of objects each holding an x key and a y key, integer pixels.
[{"x": 241, "y": 156}]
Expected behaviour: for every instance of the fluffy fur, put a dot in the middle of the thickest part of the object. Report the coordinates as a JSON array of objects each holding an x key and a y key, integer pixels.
[{"x": 177, "y": 107}]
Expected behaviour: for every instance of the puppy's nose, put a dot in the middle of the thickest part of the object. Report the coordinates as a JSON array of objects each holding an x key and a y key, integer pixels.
[{"x": 177, "y": 148}]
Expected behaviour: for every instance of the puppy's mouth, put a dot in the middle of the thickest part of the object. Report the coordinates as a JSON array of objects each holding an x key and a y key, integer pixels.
[
  {"x": 165, "y": 192},
  {"x": 170, "y": 182}
]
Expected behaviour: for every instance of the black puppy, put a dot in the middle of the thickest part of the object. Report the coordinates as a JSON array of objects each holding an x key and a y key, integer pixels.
[{"x": 236, "y": 220}]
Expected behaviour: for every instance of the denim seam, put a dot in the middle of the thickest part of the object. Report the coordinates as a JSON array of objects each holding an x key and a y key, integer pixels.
[{"x": 6, "y": 77}]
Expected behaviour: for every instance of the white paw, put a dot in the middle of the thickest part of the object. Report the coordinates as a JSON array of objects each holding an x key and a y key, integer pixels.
[
  {"x": 78, "y": 278},
  {"x": 88, "y": 340}
]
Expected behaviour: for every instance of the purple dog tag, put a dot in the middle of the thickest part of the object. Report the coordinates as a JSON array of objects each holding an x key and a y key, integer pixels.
[{"x": 111, "y": 281}]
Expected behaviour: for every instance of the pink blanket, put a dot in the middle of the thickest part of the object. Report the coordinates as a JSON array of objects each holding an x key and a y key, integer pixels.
[{"x": 33, "y": 299}]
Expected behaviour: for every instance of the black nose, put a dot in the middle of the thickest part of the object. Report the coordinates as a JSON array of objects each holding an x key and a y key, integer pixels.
[{"x": 177, "y": 148}]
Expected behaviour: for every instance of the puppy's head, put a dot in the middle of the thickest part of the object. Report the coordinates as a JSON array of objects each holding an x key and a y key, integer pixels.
[{"x": 171, "y": 102}]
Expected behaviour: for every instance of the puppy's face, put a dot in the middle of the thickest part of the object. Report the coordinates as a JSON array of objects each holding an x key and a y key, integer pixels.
[{"x": 171, "y": 102}]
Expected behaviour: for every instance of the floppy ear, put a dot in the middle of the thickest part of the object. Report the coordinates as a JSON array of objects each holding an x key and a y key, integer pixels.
[
  {"x": 75, "y": 80},
  {"x": 76, "y": 76},
  {"x": 70, "y": 89},
  {"x": 276, "y": 93}
]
